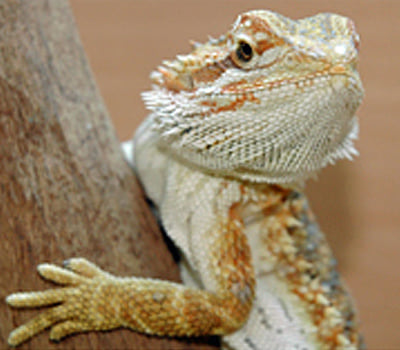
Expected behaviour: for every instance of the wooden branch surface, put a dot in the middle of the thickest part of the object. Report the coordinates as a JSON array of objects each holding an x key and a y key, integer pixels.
[{"x": 65, "y": 190}]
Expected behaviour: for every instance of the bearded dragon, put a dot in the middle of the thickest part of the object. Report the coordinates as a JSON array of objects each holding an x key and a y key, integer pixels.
[{"x": 236, "y": 127}]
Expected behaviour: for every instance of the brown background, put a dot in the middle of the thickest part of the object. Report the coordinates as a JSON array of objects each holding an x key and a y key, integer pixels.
[{"x": 357, "y": 203}]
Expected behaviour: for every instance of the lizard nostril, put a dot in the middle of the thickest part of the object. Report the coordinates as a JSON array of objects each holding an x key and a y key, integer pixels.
[{"x": 357, "y": 42}]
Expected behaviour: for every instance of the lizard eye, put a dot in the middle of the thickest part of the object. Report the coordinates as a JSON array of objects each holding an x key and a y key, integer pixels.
[{"x": 243, "y": 53}]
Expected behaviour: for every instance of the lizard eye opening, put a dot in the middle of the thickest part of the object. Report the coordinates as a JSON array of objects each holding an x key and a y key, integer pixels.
[{"x": 243, "y": 53}]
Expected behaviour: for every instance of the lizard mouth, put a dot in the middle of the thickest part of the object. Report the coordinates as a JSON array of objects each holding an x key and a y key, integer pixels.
[{"x": 186, "y": 74}]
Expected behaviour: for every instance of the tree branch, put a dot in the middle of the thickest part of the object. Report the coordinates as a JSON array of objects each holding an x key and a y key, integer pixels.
[{"x": 65, "y": 189}]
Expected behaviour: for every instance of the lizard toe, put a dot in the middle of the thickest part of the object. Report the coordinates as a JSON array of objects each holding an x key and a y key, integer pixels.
[
  {"x": 66, "y": 328},
  {"x": 37, "y": 325},
  {"x": 83, "y": 267},
  {"x": 60, "y": 275},
  {"x": 38, "y": 299}
]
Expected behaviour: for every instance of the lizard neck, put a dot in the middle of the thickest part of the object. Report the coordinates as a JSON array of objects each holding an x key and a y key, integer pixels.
[{"x": 242, "y": 175}]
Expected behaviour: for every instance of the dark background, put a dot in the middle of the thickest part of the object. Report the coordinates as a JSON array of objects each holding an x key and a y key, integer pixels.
[{"x": 357, "y": 203}]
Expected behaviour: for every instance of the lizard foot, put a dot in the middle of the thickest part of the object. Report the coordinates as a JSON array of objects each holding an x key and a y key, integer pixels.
[{"x": 77, "y": 307}]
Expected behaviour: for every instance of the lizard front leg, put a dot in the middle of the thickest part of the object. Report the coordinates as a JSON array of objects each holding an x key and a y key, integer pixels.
[{"x": 95, "y": 300}]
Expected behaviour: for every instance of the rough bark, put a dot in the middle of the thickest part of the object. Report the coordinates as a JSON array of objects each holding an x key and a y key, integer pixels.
[{"x": 65, "y": 189}]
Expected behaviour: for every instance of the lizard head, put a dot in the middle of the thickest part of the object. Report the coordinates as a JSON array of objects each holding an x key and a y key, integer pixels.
[{"x": 272, "y": 100}]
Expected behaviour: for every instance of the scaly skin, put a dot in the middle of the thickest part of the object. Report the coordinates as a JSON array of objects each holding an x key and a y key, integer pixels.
[{"x": 236, "y": 127}]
